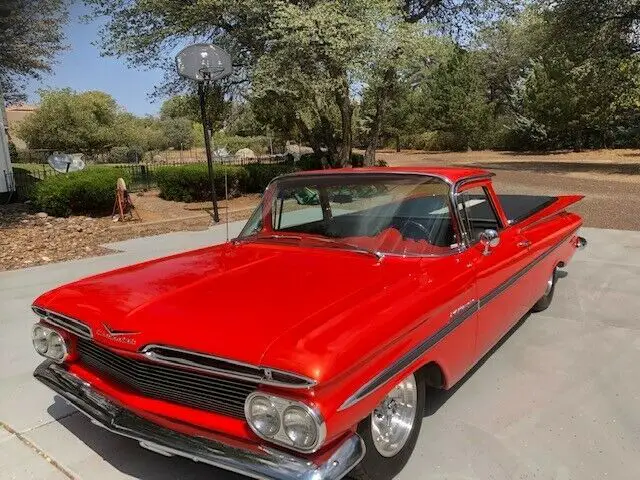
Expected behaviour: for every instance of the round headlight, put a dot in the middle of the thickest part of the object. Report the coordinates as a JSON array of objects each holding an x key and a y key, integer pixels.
[
  {"x": 57, "y": 348},
  {"x": 39, "y": 338},
  {"x": 300, "y": 427},
  {"x": 263, "y": 416}
]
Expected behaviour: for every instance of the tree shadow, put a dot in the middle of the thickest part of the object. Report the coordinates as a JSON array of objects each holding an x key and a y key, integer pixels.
[
  {"x": 564, "y": 167},
  {"x": 536, "y": 153}
]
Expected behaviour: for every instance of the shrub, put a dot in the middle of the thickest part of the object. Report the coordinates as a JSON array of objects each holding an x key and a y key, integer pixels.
[
  {"x": 90, "y": 192},
  {"x": 117, "y": 155},
  {"x": 357, "y": 160},
  {"x": 13, "y": 152},
  {"x": 261, "y": 174},
  {"x": 309, "y": 161},
  {"x": 233, "y": 143},
  {"x": 122, "y": 154},
  {"x": 190, "y": 183}
]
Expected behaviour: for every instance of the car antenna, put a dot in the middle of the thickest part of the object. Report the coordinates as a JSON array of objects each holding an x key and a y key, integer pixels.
[{"x": 226, "y": 200}]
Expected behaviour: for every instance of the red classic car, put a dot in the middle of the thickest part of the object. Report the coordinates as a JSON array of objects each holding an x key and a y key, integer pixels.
[{"x": 303, "y": 348}]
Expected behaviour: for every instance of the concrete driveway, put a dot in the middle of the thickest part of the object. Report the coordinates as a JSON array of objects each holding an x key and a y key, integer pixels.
[{"x": 558, "y": 399}]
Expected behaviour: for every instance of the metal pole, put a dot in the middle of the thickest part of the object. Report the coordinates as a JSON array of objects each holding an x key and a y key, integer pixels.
[{"x": 207, "y": 146}]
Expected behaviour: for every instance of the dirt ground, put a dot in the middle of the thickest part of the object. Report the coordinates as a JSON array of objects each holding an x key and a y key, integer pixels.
[
  {"x": 29, "y": 238},
  {"x": 609, "y": 179}
]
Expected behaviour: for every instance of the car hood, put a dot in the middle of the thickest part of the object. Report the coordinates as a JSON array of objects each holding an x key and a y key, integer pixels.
[{"x": 263, "y": 304}]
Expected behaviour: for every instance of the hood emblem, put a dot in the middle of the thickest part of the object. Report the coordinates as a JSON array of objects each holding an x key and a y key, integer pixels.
[{"x": 121, "y": 336}]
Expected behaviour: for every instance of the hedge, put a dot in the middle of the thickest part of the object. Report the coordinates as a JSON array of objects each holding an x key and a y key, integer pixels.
[
  {"x": 261, "y": 174},
  {"x": 89, "y": 192},
  {"x": 190, "y": 183}
]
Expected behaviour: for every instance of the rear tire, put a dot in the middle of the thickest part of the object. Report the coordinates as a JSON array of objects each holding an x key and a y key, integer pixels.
[
  {"x": 383, "y": 459},
  {"x": 545, "y": 300}
]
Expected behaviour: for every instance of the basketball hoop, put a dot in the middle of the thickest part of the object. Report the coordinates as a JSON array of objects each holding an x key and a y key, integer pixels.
[{"x": 205, "y": 63}]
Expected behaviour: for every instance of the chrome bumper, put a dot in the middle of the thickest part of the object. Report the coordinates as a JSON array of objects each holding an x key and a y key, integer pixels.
[{"x": 261, "y": 463}]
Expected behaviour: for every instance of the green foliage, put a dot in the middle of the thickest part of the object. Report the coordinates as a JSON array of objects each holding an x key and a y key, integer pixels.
[
  {"x": 13, "y": 152},
  {"x": 91, "y": 191},
  {"x": 259, "y": 175},
  {"x": 310, "y": 161},
  {"x": 125, "y": 155},
  {"x": 190, "y": 183},
  {"x": 233, "y": 143},
  {"x": 32, "y": 34},
  {"x": 456, "y": 104},
  {"x": 178, "y": 133},
  {"x": 72, "y": 122}
]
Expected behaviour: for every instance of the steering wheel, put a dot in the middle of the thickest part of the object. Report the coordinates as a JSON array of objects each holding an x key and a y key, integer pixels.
[{"x": 410, "y": 225}]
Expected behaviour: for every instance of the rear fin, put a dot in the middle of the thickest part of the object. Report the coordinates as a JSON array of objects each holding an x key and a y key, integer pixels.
[{"x": 559, "y": 205}]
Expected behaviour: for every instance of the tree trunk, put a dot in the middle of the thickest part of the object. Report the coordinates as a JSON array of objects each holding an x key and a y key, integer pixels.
[
  {"x": 346, "y": 115},
  {"x": 382, "y": 100}
]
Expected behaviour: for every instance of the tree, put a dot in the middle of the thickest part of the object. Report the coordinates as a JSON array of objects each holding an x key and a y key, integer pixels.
[
  {"x": 31, "y": 35},
  {"x": 178, "y": 132},
  {"x": 308, "y": 50},
  {"x": 69, "y": 121},
  {"x": 188, "y": 106},
  {"x": 456, "y": 103}
]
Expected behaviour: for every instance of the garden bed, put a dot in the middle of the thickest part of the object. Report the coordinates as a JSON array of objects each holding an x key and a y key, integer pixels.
[{"x": 29, "y": 238}]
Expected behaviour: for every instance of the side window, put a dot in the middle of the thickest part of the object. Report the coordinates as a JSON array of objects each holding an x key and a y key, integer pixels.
[{"x": 477, "y": 212}]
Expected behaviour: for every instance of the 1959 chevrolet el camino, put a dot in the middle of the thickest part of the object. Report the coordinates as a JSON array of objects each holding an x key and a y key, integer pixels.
[{"x": 303, "y": 349}]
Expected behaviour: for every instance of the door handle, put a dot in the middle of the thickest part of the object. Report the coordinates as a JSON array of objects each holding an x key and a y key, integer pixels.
[{"x": 524, "y": 244}]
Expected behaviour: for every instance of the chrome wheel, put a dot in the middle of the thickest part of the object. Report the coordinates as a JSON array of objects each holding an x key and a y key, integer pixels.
[{"x": 393, "y": 419}]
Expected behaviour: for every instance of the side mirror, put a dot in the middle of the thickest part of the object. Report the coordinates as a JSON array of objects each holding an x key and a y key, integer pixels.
[{"x": 489, "y": 239}]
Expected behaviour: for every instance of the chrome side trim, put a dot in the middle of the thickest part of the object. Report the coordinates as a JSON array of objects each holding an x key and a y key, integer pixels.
[
  {"x": 459, "y": 317},
  {"x": 236, "y": 455},
  {"x": 66, "y": 323},
  {"x": 225, "y": 367}
]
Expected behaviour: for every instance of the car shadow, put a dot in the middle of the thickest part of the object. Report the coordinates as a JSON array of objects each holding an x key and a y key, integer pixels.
[
  {"x": 126, "y": 456},
  {"x": 437, "y": 396}
]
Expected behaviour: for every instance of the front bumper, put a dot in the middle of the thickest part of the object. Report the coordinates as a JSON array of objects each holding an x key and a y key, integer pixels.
[{"x": 253, "y": 461}]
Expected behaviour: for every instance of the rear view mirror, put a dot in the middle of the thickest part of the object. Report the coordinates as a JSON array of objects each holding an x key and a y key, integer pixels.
[{"x": 489, "y": 239}]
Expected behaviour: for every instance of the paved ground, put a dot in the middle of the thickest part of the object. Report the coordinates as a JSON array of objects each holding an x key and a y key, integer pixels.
[{"x": 559, "y": 399}]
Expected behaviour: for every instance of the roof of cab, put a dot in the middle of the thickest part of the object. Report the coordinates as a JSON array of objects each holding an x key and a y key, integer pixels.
[{"x": 452, "y": 174}]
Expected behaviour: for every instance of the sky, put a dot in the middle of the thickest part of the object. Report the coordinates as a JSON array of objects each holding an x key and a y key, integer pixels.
[{"x": 82, "y": 68}]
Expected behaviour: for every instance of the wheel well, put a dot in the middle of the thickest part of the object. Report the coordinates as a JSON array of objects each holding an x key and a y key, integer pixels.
[{"x": 433, "y": 375}]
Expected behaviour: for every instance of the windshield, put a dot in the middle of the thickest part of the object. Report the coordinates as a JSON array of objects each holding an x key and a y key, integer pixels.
[{"x": 397, "y": 214}]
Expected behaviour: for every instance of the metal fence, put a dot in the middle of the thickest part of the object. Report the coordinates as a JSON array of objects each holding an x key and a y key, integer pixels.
[{"x": 141, "y": 175}]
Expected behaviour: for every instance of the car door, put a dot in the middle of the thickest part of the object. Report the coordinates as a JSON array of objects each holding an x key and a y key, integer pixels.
[{"x": 501, "y": 302}]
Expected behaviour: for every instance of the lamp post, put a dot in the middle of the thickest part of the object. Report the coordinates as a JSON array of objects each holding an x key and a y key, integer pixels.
[{"x": 205, "y": 63}]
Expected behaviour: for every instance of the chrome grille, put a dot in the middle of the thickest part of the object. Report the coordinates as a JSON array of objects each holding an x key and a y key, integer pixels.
[{"x": 205, "y": 392}]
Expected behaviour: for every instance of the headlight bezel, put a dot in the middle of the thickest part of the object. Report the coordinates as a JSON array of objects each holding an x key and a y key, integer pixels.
[
  {"x": 49, "y": 334},
  {"x": 280, "y": 437}
]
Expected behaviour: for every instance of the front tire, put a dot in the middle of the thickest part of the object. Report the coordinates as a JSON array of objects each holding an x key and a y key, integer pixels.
[
  {"x": 545, "y": 300},
  {"x": 391, "y": 431}
]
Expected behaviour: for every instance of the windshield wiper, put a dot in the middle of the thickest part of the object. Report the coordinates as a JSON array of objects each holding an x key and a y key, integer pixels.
[
  {"x": 351, "y": 246},
  {"x": 257, "y": 237},
  {"x": 300, "y": 238}
]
